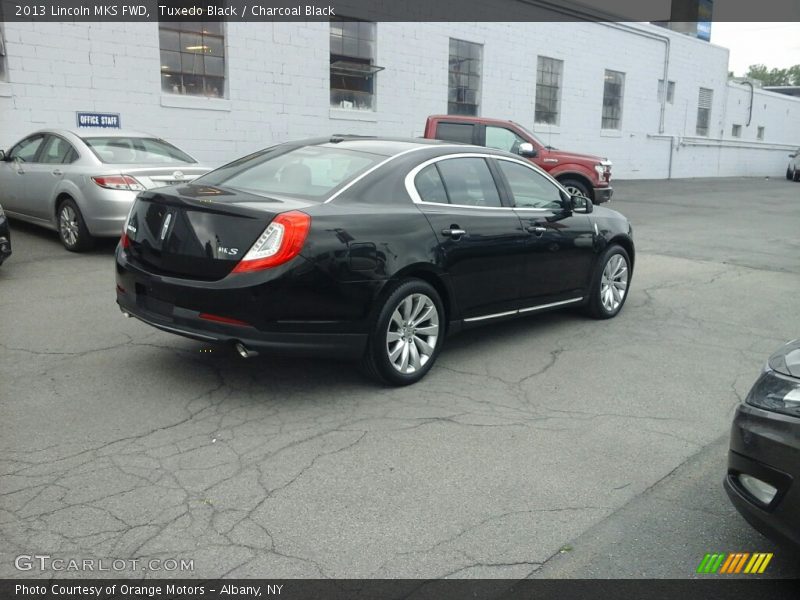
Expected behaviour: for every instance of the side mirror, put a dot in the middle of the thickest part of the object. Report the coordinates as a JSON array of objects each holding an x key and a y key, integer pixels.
[
  {"x": 581, "y": 204},
  {"x": 526, "y": 149}
]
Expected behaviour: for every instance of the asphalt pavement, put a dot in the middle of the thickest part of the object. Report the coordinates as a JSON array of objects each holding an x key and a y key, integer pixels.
[{"x": 554, "y": 446}]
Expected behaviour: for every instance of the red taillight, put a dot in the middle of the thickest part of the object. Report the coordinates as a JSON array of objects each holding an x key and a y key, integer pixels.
[
  {"x": 281, "y": 241},
  {"x": 226, "y": 320},
  {"x": 118, "y": 182},
  {"x": 124, "y": 240}
]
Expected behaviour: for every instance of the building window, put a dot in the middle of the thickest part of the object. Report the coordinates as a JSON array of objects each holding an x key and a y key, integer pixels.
[
  {"x": 353, "y": 69},
  {"x": 704, "y": 101},
  {"x": 464, "y": 78},
  {"x": 736, "y": 131},
  {"x": 613, "y": 90},
  {"x": 760, "y": 133},
  {"x": 670, "y": 91},
  {"x": 192, "y": 58},
  {"x": 548, "y": 89}
]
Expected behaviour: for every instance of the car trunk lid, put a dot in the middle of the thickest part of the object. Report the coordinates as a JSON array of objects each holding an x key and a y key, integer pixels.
[
  {"x": 156, "y": 176},
  {"x": 198, "y": 232}
]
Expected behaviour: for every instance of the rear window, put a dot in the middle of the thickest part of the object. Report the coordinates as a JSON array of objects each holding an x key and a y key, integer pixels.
[
  {"x": 455, "y": 132},
  {"x": 310, "y": 171},
  {"x": 136, "y": 151}
]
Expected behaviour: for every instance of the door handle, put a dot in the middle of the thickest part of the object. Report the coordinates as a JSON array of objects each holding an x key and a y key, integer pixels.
[
  {"x": 58, "y": 172},
  {"x": 536, "y": 229},
  {"x": 454, "y": 232}
]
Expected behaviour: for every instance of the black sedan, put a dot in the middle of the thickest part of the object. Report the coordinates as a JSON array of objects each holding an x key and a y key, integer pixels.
[
  {"x": 5, "y": 237},
  {"x": 373, "y": 249},
  {"x": 764, "y": 457}
]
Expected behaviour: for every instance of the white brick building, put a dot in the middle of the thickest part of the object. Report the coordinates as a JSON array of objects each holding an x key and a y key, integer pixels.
[{"x": 277, "y": 79}]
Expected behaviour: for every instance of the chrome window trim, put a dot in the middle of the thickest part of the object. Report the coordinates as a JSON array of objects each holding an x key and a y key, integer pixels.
[
  {"x": 520, "y": 311},
  {"x": 417, "y": 199},
  {"x": 380, "y": 164}
]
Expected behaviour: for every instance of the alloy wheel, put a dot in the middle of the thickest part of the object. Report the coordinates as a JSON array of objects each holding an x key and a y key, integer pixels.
[
  {"x": 573, "y": 191},
  {"x": 412, "y": 333},
  {"x": 68, "y": 225},
  {"x": 614, "y": 283}
]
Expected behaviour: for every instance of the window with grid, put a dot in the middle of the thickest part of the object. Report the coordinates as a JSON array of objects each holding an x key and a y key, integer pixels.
[
  {"x": 670, "y": 91},
  {"x": 613, "y": 89},
  {"x": 704, "y": 101},
  {"x": 192, "y": 58},
  {"x": 548, "y": 90},
  {"x": 464, "y": 78},
  {"x": 353, "y": 69}
]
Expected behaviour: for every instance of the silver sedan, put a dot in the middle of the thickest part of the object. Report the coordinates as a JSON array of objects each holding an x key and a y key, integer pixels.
[{"x": 82, "y": 183}]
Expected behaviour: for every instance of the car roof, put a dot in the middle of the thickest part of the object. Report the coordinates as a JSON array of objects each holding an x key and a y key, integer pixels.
[
  {"x": 385, "y": 146},
  {"x": 469, "y": 119},
  {"x": 96, "y": 132}
]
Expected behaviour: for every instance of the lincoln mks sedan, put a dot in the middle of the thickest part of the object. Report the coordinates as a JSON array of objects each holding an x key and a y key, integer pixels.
[{"x": 373, "y": 249}]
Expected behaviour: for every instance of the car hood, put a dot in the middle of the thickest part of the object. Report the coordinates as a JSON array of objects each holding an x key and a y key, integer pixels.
[
  {"x": 576, "y": 157},
  {"x": 787, "y": 359}
]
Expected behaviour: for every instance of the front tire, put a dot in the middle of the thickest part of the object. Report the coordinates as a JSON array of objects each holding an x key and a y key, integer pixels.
[
  {"x": 407, "y": 334},
  {"x": 72, "y": 230},
  {"x": 577, "y": 188},
  {"x": 795, "y": 175},
  {"x": 789, "y": 174},
  {"x": 610, "y": 283}
]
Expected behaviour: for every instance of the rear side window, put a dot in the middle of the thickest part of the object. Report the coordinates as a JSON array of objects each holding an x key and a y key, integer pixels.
[
  {"x": 57, "y": 151},
  {"x": 429, "y": 185},
  {"x": 469, "y": 182},
  {"x": 455, "y": 132}
]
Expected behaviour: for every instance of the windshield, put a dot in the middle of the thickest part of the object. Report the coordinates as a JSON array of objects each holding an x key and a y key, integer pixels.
[
  {"x": 530, "y": 135},
  {"x": 136, "y": 151},
  {"x": 309, "y": 171}
]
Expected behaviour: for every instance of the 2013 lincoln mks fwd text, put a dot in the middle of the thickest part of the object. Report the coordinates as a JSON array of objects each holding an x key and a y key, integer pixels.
[{"x": 367, "y": 248}]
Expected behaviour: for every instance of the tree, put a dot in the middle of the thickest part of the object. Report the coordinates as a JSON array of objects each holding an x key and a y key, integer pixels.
[{"x": 790, "y": 76}]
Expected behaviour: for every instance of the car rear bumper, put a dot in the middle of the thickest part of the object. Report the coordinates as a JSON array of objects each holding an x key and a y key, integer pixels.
[
  {"x": 602, "y": 194},
  {"x": 298, "y": 311},
  {"x": 765, "y": 445},
  {"x": 104, "y": 211}
]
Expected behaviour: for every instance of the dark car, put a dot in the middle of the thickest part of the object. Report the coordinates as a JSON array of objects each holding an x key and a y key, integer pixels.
[
  {"x": 366, "y": 248},
  {"x": 5, "y": 237},
  {"x": 764, "y": 457}
]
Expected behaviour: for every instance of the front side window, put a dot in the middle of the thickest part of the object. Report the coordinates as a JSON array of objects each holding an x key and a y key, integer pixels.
[
  {"x": 353, "y": 70},
  {"x": 131, "y": 151},
  {"x": 501, "y": 138},
  {"x": 529, "y": 188},
  {"x": 548, "y": 90},
  {"x": 192, "y": 58},
  {"x": 464, "y": 78},
  {"x": 469, "y": 182},
  {"x": 613, "y": 90},
  {"x": 311, "y": 172},
  {"x": 704, "y": 101},
  {"x": 26, "y": 150}
]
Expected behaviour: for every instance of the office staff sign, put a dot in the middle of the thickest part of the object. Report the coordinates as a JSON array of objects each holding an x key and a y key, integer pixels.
[{"x": 93, "y": 119}]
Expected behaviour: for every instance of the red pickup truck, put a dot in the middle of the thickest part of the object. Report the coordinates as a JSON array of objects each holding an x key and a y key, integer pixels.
[{"x": 582, "y": 174}]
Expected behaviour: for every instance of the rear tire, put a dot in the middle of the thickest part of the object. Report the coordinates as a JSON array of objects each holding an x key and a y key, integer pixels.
[
  {"x": 72, "y": 230},
  {"x": 610, "y": 283},
  {"x": 407, "y": 334},
  {"x": 795, "y": 175},
  {"x": 577, "y": 188},
  {"x": 789, "y": 174}
]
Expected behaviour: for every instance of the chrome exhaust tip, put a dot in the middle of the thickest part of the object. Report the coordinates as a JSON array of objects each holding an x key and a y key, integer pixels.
[
  {"x": 126, "y": 314},
  {"x": 244, "y": 351}
]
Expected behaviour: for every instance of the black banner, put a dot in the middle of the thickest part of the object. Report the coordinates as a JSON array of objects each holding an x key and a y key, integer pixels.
[
  {"x": 398, "y": 10},
  {"x": 716, "y": 588}
]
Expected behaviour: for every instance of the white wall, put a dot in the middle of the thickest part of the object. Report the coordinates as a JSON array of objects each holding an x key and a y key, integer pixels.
[{"x": 277, "y": 80}]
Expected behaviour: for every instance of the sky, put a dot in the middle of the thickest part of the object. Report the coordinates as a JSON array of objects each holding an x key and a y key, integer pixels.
[{"x": 776, "y": 45}]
